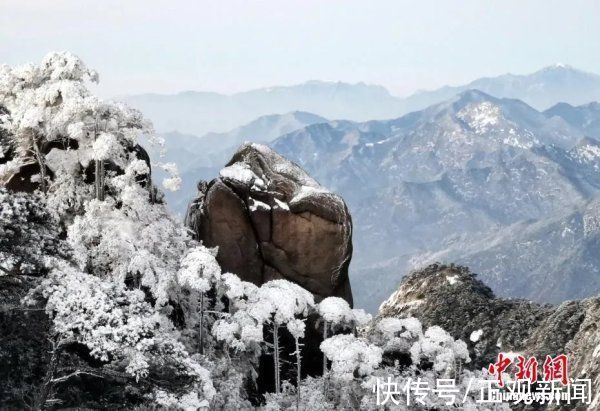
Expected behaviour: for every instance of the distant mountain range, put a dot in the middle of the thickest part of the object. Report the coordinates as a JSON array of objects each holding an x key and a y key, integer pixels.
[
  {"x": 477, "y": 180},
  {"x": 586, "y": 116},
  {"x": 198, "y": 113},
  {"x": 542, "y": 89}
]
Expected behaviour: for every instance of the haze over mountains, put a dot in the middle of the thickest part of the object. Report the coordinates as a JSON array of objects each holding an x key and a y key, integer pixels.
[
  {"x": 494, "y": 183},
  {"x": 193, "y": 112},
  {"x": 199, "y": 112},
  {"x": 542, "y": 89}
]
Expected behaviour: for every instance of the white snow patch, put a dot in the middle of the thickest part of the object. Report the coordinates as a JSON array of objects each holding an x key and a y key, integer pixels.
[
  {"x": 452, "y": 279},
  {"x": 589, "y": 152},
  {"x": 307, "y": 191},
  {"x": 335, "y": 310},
  {"x": 596, "y": 351},
  {"x": 476, "y": 335},
  {"x": 282, "y": 205},
  {"x": 173, "y": 182},
  {"x": 66, "y": 160},
  {"x": 258, "y": 205},
  {"x": 408, "y": 327},
  {"x": 349, "y": 355},
  {"x": 514, "y": 141},
  {"x": 238, "y": 172},
  {"x": 259, "y": 184},
  {"x": 480, "y": 117}
]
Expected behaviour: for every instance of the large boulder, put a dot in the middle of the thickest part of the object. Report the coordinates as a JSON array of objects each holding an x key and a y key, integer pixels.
[{"x": 271, "y": 220}]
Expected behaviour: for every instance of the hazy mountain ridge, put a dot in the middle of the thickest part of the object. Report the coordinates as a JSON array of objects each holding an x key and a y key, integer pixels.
[
  {"x": 586, "y": 116},
  {"x": 447, "y": 182},
  {"x": 201, "y": 112},
  {"x": 541, "y": 89}
]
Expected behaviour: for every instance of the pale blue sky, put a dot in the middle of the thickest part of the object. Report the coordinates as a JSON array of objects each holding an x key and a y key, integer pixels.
[{"x": 228, "y": 46}]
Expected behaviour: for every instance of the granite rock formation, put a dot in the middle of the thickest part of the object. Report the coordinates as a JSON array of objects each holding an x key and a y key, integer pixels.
[{"x": 270, "y": 220}]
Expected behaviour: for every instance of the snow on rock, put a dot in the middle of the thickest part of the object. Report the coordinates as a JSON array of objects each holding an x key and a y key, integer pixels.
[
  {"x": 596, "y": 352},
  {"x": 283, "y": 166},
  {"x": 272, "y": 222},
  {"x": 258, "y": 205},
  {"x": 281, "y": 204},
  {"x": 238, "y": 172},
  {"x": 67, "y": 160},
  {"x": 306, "y": 191},
  {"x": 497, "y": 325}
]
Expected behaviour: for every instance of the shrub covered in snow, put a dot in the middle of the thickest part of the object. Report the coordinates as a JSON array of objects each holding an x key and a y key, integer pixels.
[{"x": 349, "y": 355}]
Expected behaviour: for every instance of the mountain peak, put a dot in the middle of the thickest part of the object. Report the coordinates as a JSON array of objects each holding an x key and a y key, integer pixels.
[
  {"x": 559, "y": 67},
  {"x": 587, "y": 142},
  {"x": 559, "y": 106},
  {"x": 475, "y": 96},
  {"x": 561, "y": 70},
  {"x": 471, "y": 99}
]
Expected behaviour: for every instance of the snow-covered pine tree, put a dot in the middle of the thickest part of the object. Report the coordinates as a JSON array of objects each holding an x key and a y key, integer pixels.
[
  {"x": 297, "y": 328},
  {"x": 276, "y": 304},
  {"x": 199, "y": 273},
  {"x": 336, "y": 312}
]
